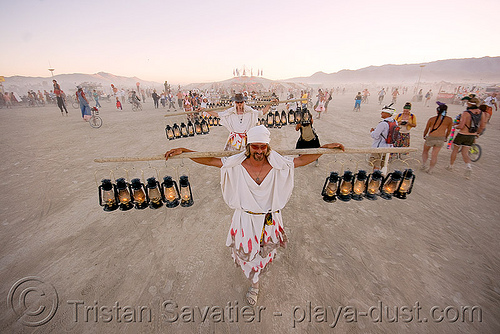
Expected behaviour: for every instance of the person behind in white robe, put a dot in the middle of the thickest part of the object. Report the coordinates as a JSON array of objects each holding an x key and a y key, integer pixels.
[
  {"x": 257, "y": 184},
  {"x": 238, "y": 120}
]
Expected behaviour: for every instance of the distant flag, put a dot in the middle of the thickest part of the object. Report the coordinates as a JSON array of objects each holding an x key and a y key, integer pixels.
[
  {"x": 234, "y": 73},
  {"x": 251, "y": 72}
]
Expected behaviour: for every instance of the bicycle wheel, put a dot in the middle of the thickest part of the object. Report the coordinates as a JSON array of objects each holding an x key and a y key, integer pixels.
[
  {"x": 95, "y": 122},
  {"x": 474, "y": 152},
  {"x": 134, "y": 107},
  {"x": 75, "y": 105}
]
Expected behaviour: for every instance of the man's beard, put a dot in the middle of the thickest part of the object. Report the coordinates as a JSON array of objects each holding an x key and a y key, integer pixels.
[{"x": 258, "y": 156}]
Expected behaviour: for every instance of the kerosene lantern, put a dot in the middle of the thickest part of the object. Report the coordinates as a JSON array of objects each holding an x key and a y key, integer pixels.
[
  {"x": 306, "y": 117},
  {"x": 291, "y": 117},
  {"x": 374, "y": 182},
  {"x": 330, "y": 188},
  {"x": 184, "y": 131},
  {"x": 153, "y": 193},
  {"x": 170, "y": 132},
  {"x": 204, "y": 127},
  {"x": 345, "y": 187},
  {"x": 139, "y": 194},
  {"x": 218, "y": 121},
  {"x": 390, "y": 185},
  {"x": 298, "y": 116},
  {"x": 270, "y": 119},
  {"x": 185, "y": 191},
  {"x": 283, "y": 117},
  {"x": 107, "y": 195},
  {"x": 210, "y": 121},
  {"x": 406, "y": 184},
  {"x": 124, "y": 198},
  {"x": 170, "y": 192},
  {"x": 359, "y": 187},
  {"x": 177, "y": 131},
  {"x": 277, "y": 119},
  {"x": 197, "y": 127},
  {"x": 190, "y": 128}
]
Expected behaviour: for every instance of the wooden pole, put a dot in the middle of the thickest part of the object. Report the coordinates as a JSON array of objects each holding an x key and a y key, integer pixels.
[
  {"x": 263, "y": 103},
  {"x": 221, "y": 154}
]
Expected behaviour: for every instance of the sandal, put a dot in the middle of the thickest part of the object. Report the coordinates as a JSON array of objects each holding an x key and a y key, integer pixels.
[{"x": 252, "y": 295}]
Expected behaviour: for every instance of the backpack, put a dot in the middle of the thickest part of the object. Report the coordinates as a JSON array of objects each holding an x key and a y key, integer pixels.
[
  {"x": 393, "y": 134},
  {"x": 475, "y": 121}
]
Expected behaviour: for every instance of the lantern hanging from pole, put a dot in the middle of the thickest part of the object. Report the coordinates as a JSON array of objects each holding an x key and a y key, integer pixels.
[
  {"x": 124, "y": 198},
  {"x": 204, "y": 127},
  {"x": 270, "y": 119},
  {"x": 283, "y": 117},
  {"x": 185, "y": 191},
  {"x": 210, "y": 121},
  {"x": 139, "y": 194},
  {"x": 184, "y": 131},
  {"x": 170, "y": 192},
  {"x": 330, "y": 188},
  {"x": 306, "y": 117},
  {"x": 277, "y": 119},
  {"x": 406, "y": 184},
  {"x": 154, "y": 194},
  {"x": 359, "y": 187},
  {"x": 197, "y": 127},
  {"x": 218, "y": 122},
  {"x": 345, "y": 187},
  {"x": 170, "y": 132},
  {"x": 298, "y": 116},
  {"x": 190, "y": 128},
  {"x": 291, "y": 117},
  {"x": 373, "y": 185},
  {"x": 107, "y": 195},
  {"x": 177, "y": 131},
  {"x": 390, "y": 185}
]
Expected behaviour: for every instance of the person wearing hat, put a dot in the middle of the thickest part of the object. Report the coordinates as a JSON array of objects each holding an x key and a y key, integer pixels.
[
  {"x": 257, "y": 184},
  {"x": 379, "y": 135},
  {"x": 471, "y": 125},
  {"x": 437, "y": 130},
  {"x": 406, "y": 121},
  {"x": 238, "y": 120}
]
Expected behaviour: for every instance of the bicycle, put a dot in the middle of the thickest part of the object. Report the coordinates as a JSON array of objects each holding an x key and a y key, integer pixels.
[
  {"x": 474, "y": 152},
  {"x": 95, "y": 121},
  {"x": 136, "y": 106}
]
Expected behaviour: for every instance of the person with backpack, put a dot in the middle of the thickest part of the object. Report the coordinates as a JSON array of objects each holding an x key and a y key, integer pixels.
[
  {"x": 384, "y": 135},
  {"x": 472, "y": 123}
]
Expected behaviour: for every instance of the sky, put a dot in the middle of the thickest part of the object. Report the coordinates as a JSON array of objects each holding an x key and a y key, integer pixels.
[{"x": 205, "y": 40}]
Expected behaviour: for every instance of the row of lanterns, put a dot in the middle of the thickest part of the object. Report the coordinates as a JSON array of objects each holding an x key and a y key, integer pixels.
[
  {"x": 357, "y": 186},
  {"x": 198, "y": 127},
  {"x": 124, "y": 195},
  {"x": 277, "y": 119}
]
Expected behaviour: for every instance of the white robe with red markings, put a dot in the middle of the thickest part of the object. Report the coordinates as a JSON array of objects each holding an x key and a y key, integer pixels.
[
  {"x": 238, "y": 125},
  {"x": 251, "y": 202}
]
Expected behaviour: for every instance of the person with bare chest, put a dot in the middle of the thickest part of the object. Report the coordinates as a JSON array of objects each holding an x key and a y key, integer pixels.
[{"x": 436, "y": 131}]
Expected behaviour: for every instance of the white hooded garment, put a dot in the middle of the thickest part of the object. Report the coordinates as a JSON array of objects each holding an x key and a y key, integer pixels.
[
  {"x": 238, "y": 125},
  {"x": 251, "y": 202}
]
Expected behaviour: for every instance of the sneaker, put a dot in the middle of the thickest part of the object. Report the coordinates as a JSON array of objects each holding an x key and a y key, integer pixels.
[
  {"x": 430, "y": 171},
  {"x": 423, "y": 167},
  {"x": 449, "y": 168},
  {"x": 468, "y": 173}
]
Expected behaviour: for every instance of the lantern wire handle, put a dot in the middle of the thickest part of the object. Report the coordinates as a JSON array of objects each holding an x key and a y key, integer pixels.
[{"x": 418, "y": 161}]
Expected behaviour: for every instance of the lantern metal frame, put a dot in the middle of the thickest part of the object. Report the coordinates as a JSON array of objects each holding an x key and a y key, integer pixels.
[
  {"x": 184, "y": 130},
  {"x": 177, "y": 131},
  {"x": 169, "y": 132},
  {"x": 341, "y": 196},
  {"x": 270, "y": 120},
  {"x": 149, "y": 185},
  {"x": 137, "y": 182},
  {"x": 376, "y": 176},
  {"x": 408, "y": 174},
  {"x": 170, "y": 203},
  {"x": 333, "y": 178},
  {"x": 395, "y": 176},
  {"x": 291, "y": 116},
  {"x": 107, "y": 207},
  {"x": 130, "y": 204},
  {"x": 360, "y": 176},
  {"x": 184, "y": 183}
]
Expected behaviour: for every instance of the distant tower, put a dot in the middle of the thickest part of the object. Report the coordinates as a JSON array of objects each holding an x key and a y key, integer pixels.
[{"x": 52, "y": 71}]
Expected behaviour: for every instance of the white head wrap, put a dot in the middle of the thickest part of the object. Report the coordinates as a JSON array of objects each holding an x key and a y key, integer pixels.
[{"x": 258, "y": 134}]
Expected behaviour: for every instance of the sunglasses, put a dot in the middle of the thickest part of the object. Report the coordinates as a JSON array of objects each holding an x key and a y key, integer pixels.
[
  {"x": 258, "y": 147},
  {"x": 239, "y": 102}
]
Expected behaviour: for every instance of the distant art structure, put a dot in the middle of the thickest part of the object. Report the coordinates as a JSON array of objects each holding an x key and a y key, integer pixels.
[{"x": 244, "y": 71}]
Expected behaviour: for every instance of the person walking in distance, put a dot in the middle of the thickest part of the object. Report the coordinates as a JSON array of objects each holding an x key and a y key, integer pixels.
[{"x": 60, "y": 101}]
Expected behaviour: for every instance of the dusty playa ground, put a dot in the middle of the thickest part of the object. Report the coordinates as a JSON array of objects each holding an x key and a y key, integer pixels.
[{"x": 428, "y": 264}]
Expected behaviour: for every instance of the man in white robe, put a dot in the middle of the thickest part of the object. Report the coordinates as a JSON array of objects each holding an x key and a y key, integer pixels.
[
  {"x": 257, "y": 184},
  {"x": 238, "y": 120}
]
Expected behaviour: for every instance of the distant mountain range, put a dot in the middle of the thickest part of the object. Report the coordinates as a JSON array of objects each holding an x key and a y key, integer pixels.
[
  {"x": 469, "y": 70},
  {"x": 484, "y": 70}
]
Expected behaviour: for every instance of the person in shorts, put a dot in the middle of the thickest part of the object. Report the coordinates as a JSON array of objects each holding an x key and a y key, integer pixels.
[{"x": 436, "y": 131}]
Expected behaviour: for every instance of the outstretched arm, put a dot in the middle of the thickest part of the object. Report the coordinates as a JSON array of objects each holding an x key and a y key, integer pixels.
[
  {"x": 306, "y": 159},
  {"x": 216, "y": 162}
]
